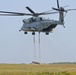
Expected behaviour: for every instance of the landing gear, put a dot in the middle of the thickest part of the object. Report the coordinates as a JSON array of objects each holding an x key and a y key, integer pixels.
[
  {"x": 33, "y": 33},
  {"x": 25, "y": 32},
  {"x": 19, "y": 30},
  {"x": 47, "y": 33}
]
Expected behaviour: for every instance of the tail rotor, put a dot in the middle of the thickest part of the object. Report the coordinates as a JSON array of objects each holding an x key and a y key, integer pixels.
[{"x": 62, "y": 12}]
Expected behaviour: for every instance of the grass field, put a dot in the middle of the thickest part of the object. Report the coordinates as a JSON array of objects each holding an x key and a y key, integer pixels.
[{"x": 33, "y": 69}]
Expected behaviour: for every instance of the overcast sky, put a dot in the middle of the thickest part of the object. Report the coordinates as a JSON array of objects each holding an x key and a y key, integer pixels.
[{"x": 15, "y": 47}]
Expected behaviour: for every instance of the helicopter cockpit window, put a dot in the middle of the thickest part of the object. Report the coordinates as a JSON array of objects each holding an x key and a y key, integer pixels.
[
  {"x": 33, "y": 19},
  {"x": 40, "y": 18},
  {"x": 26, "y": 21}
]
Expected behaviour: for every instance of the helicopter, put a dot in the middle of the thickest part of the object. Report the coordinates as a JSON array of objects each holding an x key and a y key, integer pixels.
[{"x": 39, "y": 24}]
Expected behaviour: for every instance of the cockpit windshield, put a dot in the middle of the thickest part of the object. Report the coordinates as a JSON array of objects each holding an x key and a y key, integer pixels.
[{"x": 33, "y": 19}]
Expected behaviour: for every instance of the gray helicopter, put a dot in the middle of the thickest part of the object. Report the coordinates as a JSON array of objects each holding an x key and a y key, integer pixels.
[{"x": 37, "y": 23}]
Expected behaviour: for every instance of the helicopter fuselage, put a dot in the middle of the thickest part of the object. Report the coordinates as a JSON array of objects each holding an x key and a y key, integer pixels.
[{"x": 38, "y": 24}]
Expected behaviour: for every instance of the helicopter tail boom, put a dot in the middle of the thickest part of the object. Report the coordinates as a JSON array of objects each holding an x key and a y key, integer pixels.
[{"x": 61, "y": 17}]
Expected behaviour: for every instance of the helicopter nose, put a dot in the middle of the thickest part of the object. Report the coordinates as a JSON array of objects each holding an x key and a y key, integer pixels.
[{"x": 22, "y": 28}]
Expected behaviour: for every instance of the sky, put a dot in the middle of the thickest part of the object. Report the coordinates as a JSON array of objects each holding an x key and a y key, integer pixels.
[{"x": 15, "y": 47}]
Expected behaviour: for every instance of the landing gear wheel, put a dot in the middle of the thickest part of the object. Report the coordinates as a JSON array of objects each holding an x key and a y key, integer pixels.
[
  {"x": 25, "y": 32},
  {"x": 47, "y": 33},
  {"x": 33, "y": 33}
]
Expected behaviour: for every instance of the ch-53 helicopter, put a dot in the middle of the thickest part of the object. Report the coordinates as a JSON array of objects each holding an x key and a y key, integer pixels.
[{"x": 39, "y": 24}]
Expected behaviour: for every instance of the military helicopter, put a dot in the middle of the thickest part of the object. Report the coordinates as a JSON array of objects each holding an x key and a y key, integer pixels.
[{"x": 37, "y": 23}]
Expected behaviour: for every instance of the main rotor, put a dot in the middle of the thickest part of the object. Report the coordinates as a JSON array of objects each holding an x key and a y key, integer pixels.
[{"x": 32, "y": 13}]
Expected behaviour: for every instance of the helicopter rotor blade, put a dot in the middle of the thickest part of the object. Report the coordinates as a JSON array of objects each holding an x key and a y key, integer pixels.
[
  {"x": 70, "y": 9},
  {"x": 10, "y": 15},
  {"x": 37, "y": 14},
  {"x": 12, "y": 12},
  {"x": 48, "y": 13},
  {"x": 55, "y": 8},
  {"x": 65, "y": 6},
  {"x": 15, "y": 14},
  {"x": 58, "y": 4},
  {"x": 30, "y": 10},
  {"x": 6, "y": 13}
]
